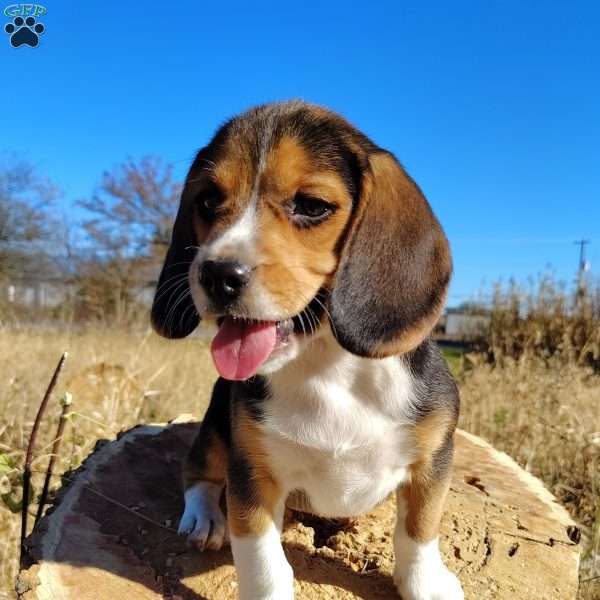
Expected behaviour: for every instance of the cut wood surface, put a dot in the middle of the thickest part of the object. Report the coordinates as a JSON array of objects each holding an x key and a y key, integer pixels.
[{"x": 111, "y": 534}]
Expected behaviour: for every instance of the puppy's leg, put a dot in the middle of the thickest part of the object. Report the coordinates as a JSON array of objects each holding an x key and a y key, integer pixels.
[
  {"x": 255, "y": 507},
  {"x": 419, "y": 572},
  {"x": 204, "y": 473}
]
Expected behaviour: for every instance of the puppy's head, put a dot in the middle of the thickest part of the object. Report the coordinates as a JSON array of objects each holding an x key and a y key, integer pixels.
[{"x": 290, "y": 217}]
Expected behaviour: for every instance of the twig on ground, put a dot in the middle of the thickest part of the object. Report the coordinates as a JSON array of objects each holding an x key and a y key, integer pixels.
[
  {"x": 65, "y": 402},
  {"x": 29, "y": 455}
]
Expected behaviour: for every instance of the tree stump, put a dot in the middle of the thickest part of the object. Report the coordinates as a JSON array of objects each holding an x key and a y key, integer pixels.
[{"x": 111, "y": 534}]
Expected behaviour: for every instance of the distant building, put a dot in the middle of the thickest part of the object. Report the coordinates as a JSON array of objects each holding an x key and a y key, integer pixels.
[
  {"x": 144, "y": 294},
  {"x": 465, "y": 325},
  {"x": 40, "y": 292},
  {"x": 37, "y": 292}
]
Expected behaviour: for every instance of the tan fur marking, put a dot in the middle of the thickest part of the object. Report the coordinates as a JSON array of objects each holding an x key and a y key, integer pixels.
[
  {"x": 295, "y": 263},
  {"x": 431, "y": 432},
  {"x": 235, "y": 173},
  {"x": 254, "y": 515},
  {"x": 215, "y": 464},
  {"x": 425, "y": 494},
  {"x": 288, "y": 162},
  {"x": 425, "y": 498},
  {"x": 250, "y": 519}
]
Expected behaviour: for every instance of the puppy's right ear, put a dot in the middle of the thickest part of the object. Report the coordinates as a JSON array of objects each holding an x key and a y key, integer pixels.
[
  {"x": 393, "y": 276},
  {"x": 173, "y": 312}
]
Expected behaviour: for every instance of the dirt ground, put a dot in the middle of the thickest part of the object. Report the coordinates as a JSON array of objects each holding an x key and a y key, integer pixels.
[{"x": 112, "y": 534}]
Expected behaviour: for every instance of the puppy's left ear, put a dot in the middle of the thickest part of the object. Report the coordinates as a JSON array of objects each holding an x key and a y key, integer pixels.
[
  {"x": 173, "y": 312},
  {"x": 392, "y": 280}
]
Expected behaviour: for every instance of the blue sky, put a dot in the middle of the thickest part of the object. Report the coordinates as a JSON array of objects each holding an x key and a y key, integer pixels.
[{"x": 493, "y": 107}]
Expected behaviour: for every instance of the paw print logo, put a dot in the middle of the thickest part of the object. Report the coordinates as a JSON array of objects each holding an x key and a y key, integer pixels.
[{"x": 24, "y": 32}]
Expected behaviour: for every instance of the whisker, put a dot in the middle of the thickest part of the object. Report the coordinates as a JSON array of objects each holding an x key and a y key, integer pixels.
[
  {"x": 166, "y": 281},
  {"x": 315, "y": 317},
  {"x": 181, "y": 262},
  {"x": 182, "y": 298},
  {"x": 330, "y": 318},
  {"x": 302, "y": 324},
  {"x": 193, "y": 307},
  {"x": 309, "y": 317},
  {"x": 193, "y": 313},
  {"x": 175, "y": 284},
  {"x": 176, "y": 291},
  {"x": 301, "y": 314},
  {"x": 172, "y": 311}
]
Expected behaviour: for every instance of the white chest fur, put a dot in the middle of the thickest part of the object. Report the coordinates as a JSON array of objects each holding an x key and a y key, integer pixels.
[{"x": 337, "y": 427}]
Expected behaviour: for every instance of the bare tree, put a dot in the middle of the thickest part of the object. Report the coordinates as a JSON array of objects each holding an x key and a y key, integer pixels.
[
  {"x": 131, "y": 214},
  {"x": 133, "y": 208},
  {"x": 25, "y": 222}
]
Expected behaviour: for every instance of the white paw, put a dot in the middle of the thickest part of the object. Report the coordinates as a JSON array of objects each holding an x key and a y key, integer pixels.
[
  {"x": 421, "y": 583},
  {"x": 203, "y": 520},
  {"x": 263, "y": 572}
]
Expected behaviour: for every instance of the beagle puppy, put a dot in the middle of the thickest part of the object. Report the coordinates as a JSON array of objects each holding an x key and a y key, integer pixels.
[{"x": 323, "y": 266}]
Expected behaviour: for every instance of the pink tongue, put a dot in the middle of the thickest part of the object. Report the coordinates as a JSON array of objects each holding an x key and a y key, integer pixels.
[{"x": 239, "y": 348}]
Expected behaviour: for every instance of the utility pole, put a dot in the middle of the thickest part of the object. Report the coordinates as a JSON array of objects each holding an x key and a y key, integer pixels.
[{"x": 582, "y": 267}]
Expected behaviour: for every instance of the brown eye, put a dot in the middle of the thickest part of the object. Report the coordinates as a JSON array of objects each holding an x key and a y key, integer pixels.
[
  {"x": 208, "y": 203},
  {"x": 308, "y": 210}
]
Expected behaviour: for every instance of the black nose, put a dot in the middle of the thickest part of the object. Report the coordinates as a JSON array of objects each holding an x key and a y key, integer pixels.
[{"x": 224, "y": 281}]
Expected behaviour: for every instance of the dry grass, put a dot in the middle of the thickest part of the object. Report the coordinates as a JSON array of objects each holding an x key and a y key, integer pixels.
[
  {"x": 546, "y": 320},
  {"x": 545, "y": 416},
  {"x": 538, "y": 398},
  {"x": 117, "y": 380}
]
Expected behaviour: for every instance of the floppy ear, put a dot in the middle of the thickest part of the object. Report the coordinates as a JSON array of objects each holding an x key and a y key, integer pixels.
[
  {"x": 393, "y": 275},
  {"x": 173, "y": 312}
]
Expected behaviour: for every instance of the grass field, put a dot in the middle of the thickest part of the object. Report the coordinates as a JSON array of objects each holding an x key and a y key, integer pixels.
[{"x": 545, "y": 416}]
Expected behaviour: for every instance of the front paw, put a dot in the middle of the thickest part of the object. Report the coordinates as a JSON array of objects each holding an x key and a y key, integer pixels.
[
  {"x": 418, "y": 583},
  {"x": 203, "y": 520}
]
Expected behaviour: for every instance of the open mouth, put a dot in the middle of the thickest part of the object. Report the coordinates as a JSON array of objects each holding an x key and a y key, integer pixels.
[{"x": 242, "y": 346}]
